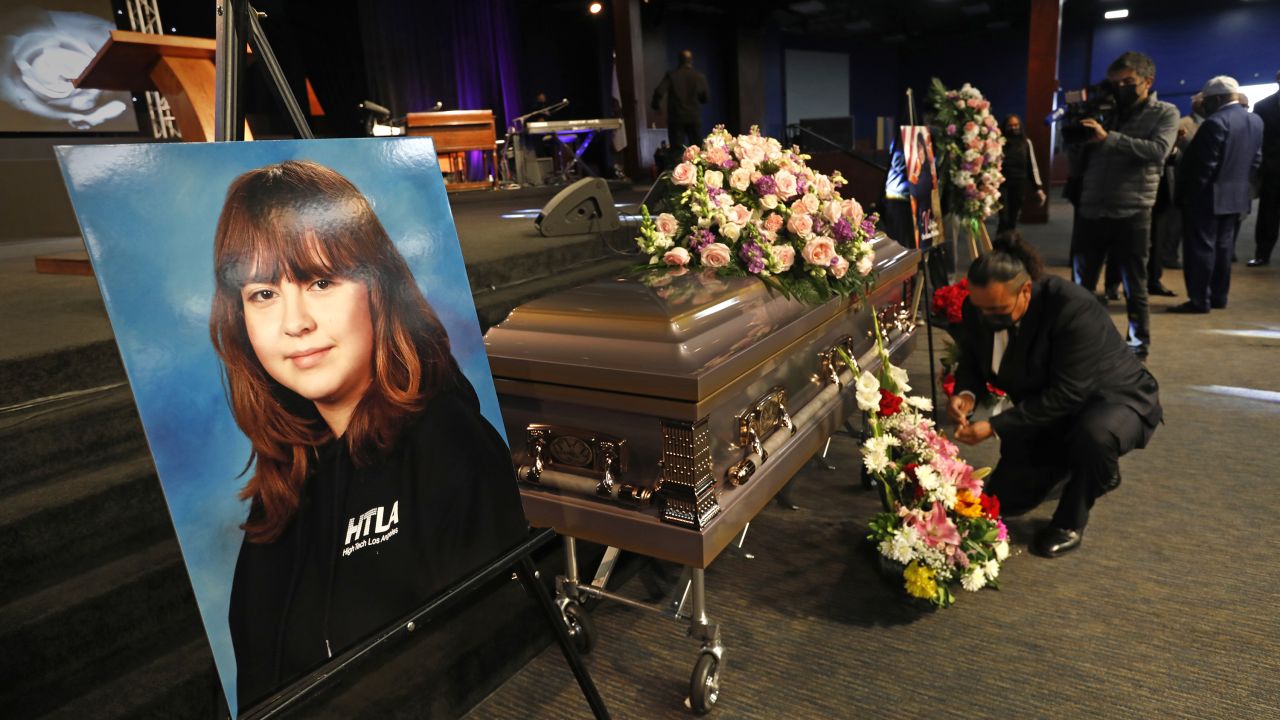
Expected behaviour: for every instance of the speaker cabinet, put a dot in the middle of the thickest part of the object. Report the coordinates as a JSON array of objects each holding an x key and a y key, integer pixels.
[{"x": 584, "y": 207}]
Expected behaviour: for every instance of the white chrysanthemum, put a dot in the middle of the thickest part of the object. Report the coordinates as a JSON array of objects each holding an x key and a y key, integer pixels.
[
  {"x": 899, "y": 547},
  {"x": 900, "y": 378},
  {"x": 875, "y": 462},
  {"x": 973, "y": 580},
  {"x": 992, "y": 569},
  {"x": 928, "y": 478},
  {"x": 1002, "y": 550},
  {"x": 922, "y": 404},
  {"x": 945, "y": 494}
]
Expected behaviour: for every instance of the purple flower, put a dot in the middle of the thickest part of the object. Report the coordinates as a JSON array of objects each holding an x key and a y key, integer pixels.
[
  {"x": 801, "y": 185},
  {"x": 868, "y": 225},
  {"x": 951, "y": 129},
  {"x": 729, "y": 164},
  {"x": 971, "y": 192},
  {"x": 766, "y": 185},
  {"x": 819, "y": 225},
  {"x": 700, "y": 239},
  {"x": 843, "y": 230},
  {"x": 752, "y": 256},
  {"x": 714, "y": 192}
]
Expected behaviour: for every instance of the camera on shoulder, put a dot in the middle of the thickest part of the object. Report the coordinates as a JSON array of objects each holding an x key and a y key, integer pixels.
[{"x": 1096, "y": 102}]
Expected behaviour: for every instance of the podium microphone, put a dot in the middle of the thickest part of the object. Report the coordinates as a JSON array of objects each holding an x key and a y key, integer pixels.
[
  {"x": 376, "y": 109},
  {"x": 439, "y": 105}
]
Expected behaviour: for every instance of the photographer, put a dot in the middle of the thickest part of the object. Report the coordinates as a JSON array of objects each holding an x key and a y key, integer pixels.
[{"x": 1118, "y": 168}]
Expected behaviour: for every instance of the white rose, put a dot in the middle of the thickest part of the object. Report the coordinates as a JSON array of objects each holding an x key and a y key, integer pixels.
[
  {"x": 740, "y": 179},
  {"x": 731, "y": 230},
  {"x": 769, "y": 202},
  {"x": 713, "y": 178}
]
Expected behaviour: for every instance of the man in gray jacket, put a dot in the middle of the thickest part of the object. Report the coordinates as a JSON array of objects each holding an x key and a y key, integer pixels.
[{"x": 1119, "y": 170}]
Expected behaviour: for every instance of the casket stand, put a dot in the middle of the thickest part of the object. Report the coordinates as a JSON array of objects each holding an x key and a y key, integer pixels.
[{"x": 659, "y": 412}]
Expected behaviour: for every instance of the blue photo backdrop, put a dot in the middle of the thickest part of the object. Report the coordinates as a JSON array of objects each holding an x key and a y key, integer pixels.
[{"x": 148, "y": 214}]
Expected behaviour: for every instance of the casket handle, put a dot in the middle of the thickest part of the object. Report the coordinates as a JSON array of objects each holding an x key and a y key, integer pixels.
[
  {"x": 536, "y": 447},
  {"x": 763, "y": 418}
]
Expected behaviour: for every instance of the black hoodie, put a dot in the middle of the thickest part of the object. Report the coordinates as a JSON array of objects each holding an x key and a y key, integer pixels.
[{"x": 369, "y": 545}]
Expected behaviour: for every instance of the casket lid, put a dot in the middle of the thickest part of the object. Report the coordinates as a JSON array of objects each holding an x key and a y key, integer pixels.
[{"x": 674, "y": 335}]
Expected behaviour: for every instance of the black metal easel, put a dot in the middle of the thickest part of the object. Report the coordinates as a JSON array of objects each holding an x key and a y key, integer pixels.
[
  {"x": 925, "y": 297},
  {"x": 237, "y": 23}
]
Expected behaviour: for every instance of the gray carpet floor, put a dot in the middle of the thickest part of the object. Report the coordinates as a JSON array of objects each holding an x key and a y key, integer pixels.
[{"x": 1169, "y": 609}]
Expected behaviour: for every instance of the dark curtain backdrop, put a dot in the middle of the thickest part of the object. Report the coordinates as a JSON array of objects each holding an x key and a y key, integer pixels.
[{"x": 459, "y": 52}]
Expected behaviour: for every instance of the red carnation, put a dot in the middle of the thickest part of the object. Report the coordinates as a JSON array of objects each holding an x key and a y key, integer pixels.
[
  {"x": 990, "y": 506},
  {"x": 949, "y": 384},
  {"x": 889, "y": 403},
  {"x": 948, "y": 300}
]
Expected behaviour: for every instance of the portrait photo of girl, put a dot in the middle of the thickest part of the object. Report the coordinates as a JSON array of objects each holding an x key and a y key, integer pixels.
[{"x": 373, "y": 481}]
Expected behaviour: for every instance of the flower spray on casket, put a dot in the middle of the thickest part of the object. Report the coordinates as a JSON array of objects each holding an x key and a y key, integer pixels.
[
  {"x": 937, "y": 521},
  {"x": 745, "y": 205}
]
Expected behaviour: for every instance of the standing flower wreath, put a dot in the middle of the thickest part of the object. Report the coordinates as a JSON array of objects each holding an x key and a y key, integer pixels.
[
  {"x": 972, "y": 148},
  {"x": 745, "y": 205}
]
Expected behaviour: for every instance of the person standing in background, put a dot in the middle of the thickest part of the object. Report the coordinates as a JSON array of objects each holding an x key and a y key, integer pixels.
[
  {"x": 685, "y": 92},
  {"x": 1213, "y": 192},
  {"x": 1269, "y": 192},
  {"x": 1020, "y": 174}
]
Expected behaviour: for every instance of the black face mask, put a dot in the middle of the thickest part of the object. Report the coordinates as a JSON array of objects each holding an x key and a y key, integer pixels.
[
  {"x": 995, "y": 322},
  {"x": 1127, "y": 95},
  {"x": 1014, "y": 132}
]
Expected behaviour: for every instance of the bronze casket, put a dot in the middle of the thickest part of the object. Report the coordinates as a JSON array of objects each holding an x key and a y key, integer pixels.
[{"x": 659, "y": 412}]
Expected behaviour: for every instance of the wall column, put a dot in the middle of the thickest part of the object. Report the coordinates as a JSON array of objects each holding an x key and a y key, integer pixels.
[
  {"x": 1043, "y": 34},
  {"x": 629, "y": 56}
]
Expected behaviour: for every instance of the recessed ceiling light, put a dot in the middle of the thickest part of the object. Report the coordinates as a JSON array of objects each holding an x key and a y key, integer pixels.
[{"x": 1116, "y": 14}]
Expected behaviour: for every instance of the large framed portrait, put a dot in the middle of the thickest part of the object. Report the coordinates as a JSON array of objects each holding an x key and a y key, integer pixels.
[{"x": 299, "y": 334}]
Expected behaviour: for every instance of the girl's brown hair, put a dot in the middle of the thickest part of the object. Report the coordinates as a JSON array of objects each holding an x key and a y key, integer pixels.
[{"x": 303, "y": 221}]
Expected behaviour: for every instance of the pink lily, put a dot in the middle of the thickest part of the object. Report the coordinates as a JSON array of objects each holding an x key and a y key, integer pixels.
[{"x": 936, "y": 528}]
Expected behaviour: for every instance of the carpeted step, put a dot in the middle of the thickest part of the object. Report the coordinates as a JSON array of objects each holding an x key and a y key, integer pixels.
[
  {"x": 73, "y": 368},
  {"x": 73, "y": 635},
  {"x": 181, "y": 683},
  {"x": 53, "y": 438},
  {"x": 60, "y": 527}
]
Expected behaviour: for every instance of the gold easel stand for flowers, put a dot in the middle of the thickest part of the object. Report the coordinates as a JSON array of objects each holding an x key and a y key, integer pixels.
[{"x": 975, "y": 231}]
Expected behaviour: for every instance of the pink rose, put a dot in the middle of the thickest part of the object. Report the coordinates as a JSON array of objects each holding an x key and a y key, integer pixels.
[
  {"x": 970, "y": 127},
  {"x": 666, "y": 224},
  {"x": 819, "y": 251},
  {"x": 960, "y": 104},
  {"x": 811, "y": 203},
  {"x": 769, "y": 236},
  {"x": 823, "y": 186},
  {"x": 865, "y": 264},
  {"x": 839, "y": 267},
  {"x": 786, "y": 183},
  {"x": 972, "y": 102},
  {"x": 832, "y": 211},
  {"x": 853, "y": 212},
  {"x": 739, "y": 214},
  {"x": 773, "y": 222},
  {"x": 716, "y": 255},
  {"x": 691, "y": 153},
  {"x": 740, "y": 179},
  {"x": 800, "y": 224},
  {"x": 684, "y": 174},
  {"x": 785, "y": 255},
  {"x": 718, "y": 155},
  {"x": 676, "y": 256}
]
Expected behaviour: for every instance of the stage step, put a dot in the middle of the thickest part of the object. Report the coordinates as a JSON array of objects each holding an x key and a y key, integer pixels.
[
  {"x": 78, "y": 430},
  {"x": 94, "y": 626},
  {"x": 90, "y": 365},
  {"x": 69, "y": 524},
  {"x": 182, "y": 683}
]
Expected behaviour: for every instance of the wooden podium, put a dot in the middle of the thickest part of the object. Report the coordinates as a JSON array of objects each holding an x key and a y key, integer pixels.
[
  {"x": 181, "y": 68},
  {"x": 456, "y": 134}
]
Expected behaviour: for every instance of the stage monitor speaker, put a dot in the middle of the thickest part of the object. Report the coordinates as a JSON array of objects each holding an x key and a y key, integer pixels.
[{"x": 584, "y": 207}]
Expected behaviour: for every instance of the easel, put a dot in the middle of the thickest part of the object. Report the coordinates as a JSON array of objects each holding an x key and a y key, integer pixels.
[
  {"x": 922, "y": 284},
  {"x": 237, "y": 22}
]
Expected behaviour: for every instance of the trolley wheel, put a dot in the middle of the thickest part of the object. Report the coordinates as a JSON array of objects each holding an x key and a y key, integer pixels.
[
  {"x": 704, "y": 686},
  {"x": 581, "y": 627}
]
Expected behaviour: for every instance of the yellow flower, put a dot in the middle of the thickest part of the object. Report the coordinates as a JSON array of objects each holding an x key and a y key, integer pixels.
[
  {"x": 967, "y": 505},
  {"x": 920, "y": 582}
]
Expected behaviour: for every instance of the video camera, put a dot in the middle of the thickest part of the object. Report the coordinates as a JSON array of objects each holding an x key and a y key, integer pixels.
[{"x": 1096, "y": 102}]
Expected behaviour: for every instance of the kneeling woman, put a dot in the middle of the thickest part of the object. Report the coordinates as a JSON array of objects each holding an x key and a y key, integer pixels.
[{"x": 376, "y": 481}]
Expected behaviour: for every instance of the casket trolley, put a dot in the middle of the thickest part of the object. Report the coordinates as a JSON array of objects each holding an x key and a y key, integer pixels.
[{"x": 659, "y": 412}]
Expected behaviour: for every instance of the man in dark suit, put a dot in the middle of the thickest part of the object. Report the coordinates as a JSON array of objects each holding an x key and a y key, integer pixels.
[
  {"x": 1080, "y": 398},
  {"x": 685, "y": 91},
  {"x": 1268, "y": 230},
  {"x": 1213, "y": 193}
]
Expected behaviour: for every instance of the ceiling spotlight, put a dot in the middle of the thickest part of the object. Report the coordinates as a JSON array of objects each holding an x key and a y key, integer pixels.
[
  {"x": 595, "y": 8},
  {"x": 1115, "y": 14}
]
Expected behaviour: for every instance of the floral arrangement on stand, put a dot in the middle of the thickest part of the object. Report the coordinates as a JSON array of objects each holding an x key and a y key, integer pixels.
[
  {"x": 972, "y": 148},
  {"x": 937, "y": 522},
  {"x": 745, "y": 205}
]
